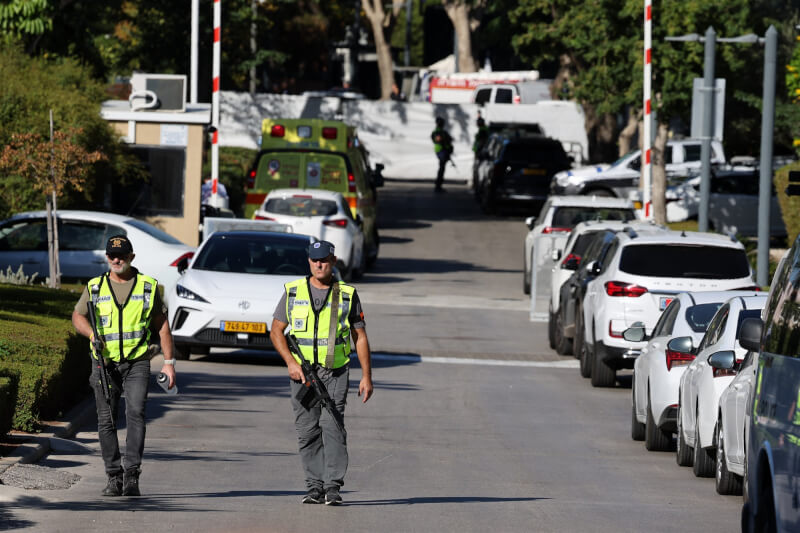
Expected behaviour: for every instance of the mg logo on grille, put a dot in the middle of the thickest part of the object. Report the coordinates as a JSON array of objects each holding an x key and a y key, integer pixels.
[{"x": 244, "y": 305}]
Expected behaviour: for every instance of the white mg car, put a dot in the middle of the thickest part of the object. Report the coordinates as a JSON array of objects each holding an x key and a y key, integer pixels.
[
  {"x": 706, "y": 378},
  {"x": 324, "y": 215},
  {"x": 657, "y": 371}
]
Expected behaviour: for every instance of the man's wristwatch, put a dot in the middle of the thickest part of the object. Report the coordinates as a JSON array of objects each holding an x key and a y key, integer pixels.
[{"x": 169, "y": 362}]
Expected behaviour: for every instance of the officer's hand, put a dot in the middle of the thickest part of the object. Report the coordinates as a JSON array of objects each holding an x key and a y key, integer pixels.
[
  {"x": 97, "y": 345},
  {"x": 296, "y": 373},
  {"x": 169, "y": 370},
  {"x": 365, "y": 389}
]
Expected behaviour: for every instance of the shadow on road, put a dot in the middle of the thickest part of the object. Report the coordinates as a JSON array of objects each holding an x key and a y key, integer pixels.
[
  {"x": 402, "y": 265},
  {"x": 442, "y": 499}
]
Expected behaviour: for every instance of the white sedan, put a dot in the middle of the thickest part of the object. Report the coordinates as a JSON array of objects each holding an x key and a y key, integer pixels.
[
  {"x": 324, "y": 215},
  {"x": 703, "y": 382},
  {"x": 227, "y": 296},
  {"x": 82, "y": 237},
  {"x": 657, "y": 371}
]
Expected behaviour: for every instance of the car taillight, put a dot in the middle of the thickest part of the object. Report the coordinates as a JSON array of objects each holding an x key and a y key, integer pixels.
[
  {"x": 619, "y": 288},
  {"x": 259, "y": 217},
  {"x": 678, "y": 358},
  {"x": 339, "y": 223},
  {"x": 251, "y": 179},
  {"x": 570, "y": 257},
  {"x": 187, "y": 255},
  {"x": 749, "y": 288},
  {"x": 329, "y": 133},
  {"x": 553, "y": 229},
  {"x": 277, "y": 130},
  {"x": 351, "y": 182}
]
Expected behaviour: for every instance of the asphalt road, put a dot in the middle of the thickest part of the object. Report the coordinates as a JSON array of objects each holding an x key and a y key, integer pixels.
[{"x": 476, "y": 425}]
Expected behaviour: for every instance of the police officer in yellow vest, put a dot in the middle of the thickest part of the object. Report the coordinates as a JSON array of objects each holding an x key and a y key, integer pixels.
[
  {"x": 128, "y": 307},
  {"x": 323, "y": 315}
]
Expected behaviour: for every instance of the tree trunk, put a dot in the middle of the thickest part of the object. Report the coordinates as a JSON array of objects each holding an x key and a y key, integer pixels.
[
  {"x": 382, "y": 23},
  {"x": 659, "y": 189},
  {"x": 627, "y": 132},
  {"x": 459, "y": 13}
]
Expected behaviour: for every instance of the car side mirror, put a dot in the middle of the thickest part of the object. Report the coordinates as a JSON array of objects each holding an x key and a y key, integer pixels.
[
  {"x": 556, "y": 254},
  {"x": 725, "y": 359},
  {"x": 594, "y": 267},
  {"x": 530, "y": 222},
  {"x": 571, "y": 264},
  {"x": 681, "y": 344},
  {"x": 750, "y": 334},
  {"x": 635, "y": 333},
  {"x": 183, "y": 265}
]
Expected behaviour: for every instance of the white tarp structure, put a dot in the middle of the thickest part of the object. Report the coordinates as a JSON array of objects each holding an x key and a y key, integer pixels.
[{"x": 397, "y": 134}]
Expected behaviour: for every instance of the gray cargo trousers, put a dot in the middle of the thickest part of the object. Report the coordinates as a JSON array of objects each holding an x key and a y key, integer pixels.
[{"x": 323, "y": 448}]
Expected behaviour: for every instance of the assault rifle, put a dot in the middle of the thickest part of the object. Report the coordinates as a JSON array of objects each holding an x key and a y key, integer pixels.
[
  {"x": 100, "y": 362},
  {"x": 314, "y": 391}
]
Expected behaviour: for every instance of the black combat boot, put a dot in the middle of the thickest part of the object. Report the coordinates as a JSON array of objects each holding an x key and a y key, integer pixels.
[
  {"x": 114, "y": 486},
  {"x": 130, "y": 483}
]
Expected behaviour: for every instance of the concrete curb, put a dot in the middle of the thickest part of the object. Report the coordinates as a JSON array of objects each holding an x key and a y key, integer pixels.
[{"x": 38, "y": 445}]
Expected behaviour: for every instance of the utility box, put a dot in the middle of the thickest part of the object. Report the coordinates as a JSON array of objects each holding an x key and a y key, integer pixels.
[{"x": 158, "y": 92}]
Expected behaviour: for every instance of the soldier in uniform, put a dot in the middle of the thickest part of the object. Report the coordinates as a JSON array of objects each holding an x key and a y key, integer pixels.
[{"x": 443, "y": 147}]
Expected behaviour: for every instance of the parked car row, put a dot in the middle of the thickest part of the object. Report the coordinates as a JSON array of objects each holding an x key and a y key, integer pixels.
[{"x": 716, "y": 377}]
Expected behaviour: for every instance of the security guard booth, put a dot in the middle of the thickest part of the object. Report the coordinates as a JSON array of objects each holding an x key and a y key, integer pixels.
[{"x": 170, "y": 143}]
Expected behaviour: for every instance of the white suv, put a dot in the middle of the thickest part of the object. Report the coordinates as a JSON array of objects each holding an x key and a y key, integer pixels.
[
  {"x": 646, "y": 269},
  {"x": 560, "y": 214}
]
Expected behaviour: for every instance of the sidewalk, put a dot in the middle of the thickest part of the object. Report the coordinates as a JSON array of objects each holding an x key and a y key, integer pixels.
[{"x": 54, "y": 436}]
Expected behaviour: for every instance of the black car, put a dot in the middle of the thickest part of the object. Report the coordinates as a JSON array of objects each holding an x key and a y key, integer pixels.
[
  {"x": 522, "y": 167},
  {"x": 570, "y": 314}
]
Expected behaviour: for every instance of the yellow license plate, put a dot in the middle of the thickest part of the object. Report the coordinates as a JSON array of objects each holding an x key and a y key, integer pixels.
[
  {"x": 243, "y": 327},
  {"x": 535, "y": 171}
]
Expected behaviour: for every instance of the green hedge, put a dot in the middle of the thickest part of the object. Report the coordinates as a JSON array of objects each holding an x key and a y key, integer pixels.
[
  {"x": 790, "y": 205},
  {"x": 44, "y": 362}
]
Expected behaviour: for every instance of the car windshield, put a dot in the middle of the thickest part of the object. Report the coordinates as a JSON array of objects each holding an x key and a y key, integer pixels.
[
  {"x": 569, "y": 217},
  {"x": 543, "y": 153},
  {"x": 152, "y": 231},
  {"x": 684, "y": 261},
  {"x": 301, "y": 206},
  {"x": 699, "y": 316},
  {"x": 254, "y": 254}
]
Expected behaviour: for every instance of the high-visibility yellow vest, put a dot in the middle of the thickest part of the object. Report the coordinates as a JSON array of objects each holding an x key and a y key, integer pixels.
[
  {"x": 124, "y": 328},
  {"x": 312, "y": 329}
]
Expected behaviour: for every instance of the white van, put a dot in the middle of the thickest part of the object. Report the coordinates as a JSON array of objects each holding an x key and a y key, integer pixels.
[{"x": 523, "y": 92}]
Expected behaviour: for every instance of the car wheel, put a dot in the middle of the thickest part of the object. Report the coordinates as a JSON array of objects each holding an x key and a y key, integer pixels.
[
  {"x": 602, "y": 374},
  {"x": 683, "y": 453},
  {"x": 703, "y": 461},
  {"x": 577, "y": 341},
  {"x": 372, "y": 256},
  {"x": 551, "y": 329},
  {"x": 726, "y": 482},
  {"x": 563, "y": 344},
  {"x": 655, "y": 439},
  {"x": 486, "y": 202},
  {"x": 526, "y": 275},
  {"x": 764, "y": 520},
  {"x": 637, "y": 428},
  {"x": 182, "y": 352},
  {"x": 358, "y": 271}
]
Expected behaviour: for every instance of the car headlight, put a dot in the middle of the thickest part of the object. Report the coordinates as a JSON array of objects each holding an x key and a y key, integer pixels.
[
  {"x": 562, "y": 178},
  {"x": 183, "y": 292}
]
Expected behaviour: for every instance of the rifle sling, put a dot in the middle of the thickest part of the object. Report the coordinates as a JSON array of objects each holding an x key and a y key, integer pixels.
[{"x": 332, "y": 328}]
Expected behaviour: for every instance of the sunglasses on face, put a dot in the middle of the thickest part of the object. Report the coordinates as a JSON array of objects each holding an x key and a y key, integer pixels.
[{"x": 121, "y": 257}]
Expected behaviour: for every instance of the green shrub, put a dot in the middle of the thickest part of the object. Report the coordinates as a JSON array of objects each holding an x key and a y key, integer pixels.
[{"x": 790, "y": 205}]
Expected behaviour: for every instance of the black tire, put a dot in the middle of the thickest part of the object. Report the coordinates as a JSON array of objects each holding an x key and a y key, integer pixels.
[
  {"x": 486, "y": 202},
  {"x": 683, "y": 452},
  {"x": 637, "y": 428},
  {"x": 182, "y": 352},
  {"x": 703, "y": 460},
  {"x": 372, "y": 254},
  {"x": 764, "y": 521},
  {"x": 526, "y": 278},
  {"x": 551, "y": 330},
  {"x": 563, "y": 344},
  {"x": 578, "y": 346},
  {"x": 655, "y": 439},
  {"x": 602, "y": 374},
  {"x": 725, "y": 481}
]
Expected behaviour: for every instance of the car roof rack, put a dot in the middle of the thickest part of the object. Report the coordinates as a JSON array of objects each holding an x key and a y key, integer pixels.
[{"x": 631, "y": 232}]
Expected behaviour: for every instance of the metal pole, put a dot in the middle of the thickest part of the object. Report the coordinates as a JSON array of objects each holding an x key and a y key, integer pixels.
[
  {"x": 193, "y": 52},
  {"x": 708, "y": 128},
  {"x": 253, "y": 49},
  {"x": 647, "y": 142},
  {"x": 215, "y": 104},
  {"x": 765, "y": 183},
  {"x": 407, "y": 51}
]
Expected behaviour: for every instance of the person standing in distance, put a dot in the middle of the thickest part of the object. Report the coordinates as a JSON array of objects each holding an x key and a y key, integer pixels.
[
  {"x": 443, "y": 147},
  {"x": 128, "y": 307},
  {"x": 323, "y": 314}
]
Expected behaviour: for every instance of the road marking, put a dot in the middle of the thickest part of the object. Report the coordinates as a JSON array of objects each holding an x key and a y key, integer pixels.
[
  {"x": 444, "y": 300},
  {"x": 571, "y": 363}
]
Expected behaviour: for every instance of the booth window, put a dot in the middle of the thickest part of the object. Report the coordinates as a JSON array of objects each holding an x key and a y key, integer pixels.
[{"x": 163, "y": 195}]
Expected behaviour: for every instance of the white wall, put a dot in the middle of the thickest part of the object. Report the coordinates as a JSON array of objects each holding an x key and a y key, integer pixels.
[{"x": 396, "y": 134}]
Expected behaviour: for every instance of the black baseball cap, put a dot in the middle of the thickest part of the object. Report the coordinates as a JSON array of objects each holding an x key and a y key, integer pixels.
[
  {"x": 119, "y": 244},
  {"x": 320, "y": 250}
]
